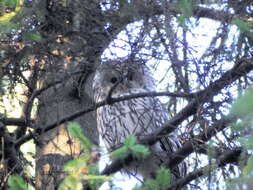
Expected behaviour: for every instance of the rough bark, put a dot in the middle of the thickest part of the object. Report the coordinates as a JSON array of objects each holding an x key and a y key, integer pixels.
[{"x": 83, "y": 47}]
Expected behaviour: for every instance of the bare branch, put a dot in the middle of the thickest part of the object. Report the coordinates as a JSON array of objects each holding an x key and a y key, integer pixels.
[
  {"x": 200, "y": 139},
  {"x": 229, "y": 157},
  {"x": 14, "y": 121}
]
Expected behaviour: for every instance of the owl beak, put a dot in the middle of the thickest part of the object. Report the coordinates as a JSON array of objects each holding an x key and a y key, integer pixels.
[
  {"x": 124, "y": 85},
  {"x": 127, "y": 83}
]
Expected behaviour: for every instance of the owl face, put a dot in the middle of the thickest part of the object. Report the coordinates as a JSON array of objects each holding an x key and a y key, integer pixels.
[{"x": 128, "y": 77}]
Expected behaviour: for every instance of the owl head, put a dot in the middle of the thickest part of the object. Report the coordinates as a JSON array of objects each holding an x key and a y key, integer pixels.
[{"x": 128, "y": 76}]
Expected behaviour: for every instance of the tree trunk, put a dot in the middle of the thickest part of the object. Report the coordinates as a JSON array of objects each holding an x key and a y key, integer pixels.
[
  {"x": 74, "y": 54},
  {"x": 55, "y": 147}
]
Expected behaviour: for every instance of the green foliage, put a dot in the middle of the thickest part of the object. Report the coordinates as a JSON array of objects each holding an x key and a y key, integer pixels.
[
  {"x": 83, "y": 168},
  {"x": 71, "y": 165},
  {"x": 242, "y": 25},
  {"x": 8, "y": 9},
  {"x": 11, "y": 4},
  {"x": 32, "y": 36},
  {"x": 245, "y": 27},
  {"x": 130, "y": 147},
  {"x": 80, "y": 170},
  {"x": 163, "y": 178},
  {"x": 245, "y": 179},
  {"x": 120, "y": 153},
  {"x": 247, "y": 141},
  {"x": 130, "y": 141},
  {"x": 140, "y": 151},
  {"x": 185, "y": 7},
  {"x": 243, "y": 106},
  {"x": 75, "y": 131},
  {"x": 248, "y": 169},
  {"x": 161, "y": 182},
  {"x": 211, "y": 152},
  {"x": 150, "y": 184},
  {"x": 16, "y": 182},
  {"x": 7, "y": 26},
  {"x": 243, "y": 109},
  {"x": 71, "y": 182}
]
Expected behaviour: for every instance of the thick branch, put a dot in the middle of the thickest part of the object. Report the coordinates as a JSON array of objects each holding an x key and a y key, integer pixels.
[
  {"x": 200, "y": 139},
  {"x": 14, "y": 121},
  {"x": 93, "y": 108}
]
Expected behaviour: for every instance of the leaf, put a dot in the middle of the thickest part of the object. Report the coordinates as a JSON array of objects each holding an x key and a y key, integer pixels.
[
  {"x": 246, "y": 141},
  {"x": 16, "y": 182},
  {"x": 130, "y": 141},
  {"x": 243, "y": 106},
  {"x": 249, "y": 143},
  {"x": 140, "y": 151},
  {"x": 185, "y": 7},
  {"x": 120, "y": 153},
  {"x": 72, "y": 165},
  {"x": 95, "y": 181},
  {"x": 32, "y": 36},
  {"x": 75, "y": 131},
  {"x": 70, "y": 182},
  {"x": 181, "y": 19},
  {"x": 93, "y": 169},
  {"x": 15, "y": 5},
  {"x": 78, "y": 165},
  {"x": 11, "y": 3},
  {"x": 130, "y": 147},
  {"x": 244, "y": 26},
  {"x": 35, "y": 36},
  {"x": 163, "y": 178},
  {"x": 248, "y": 169},
  {"x": 151, "y": 184},
  {"x": 7, "y": 26},
  {"x": 62, "y": 186}
]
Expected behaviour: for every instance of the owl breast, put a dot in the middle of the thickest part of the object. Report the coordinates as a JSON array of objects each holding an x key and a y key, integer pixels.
[{"x": 138, "y": 117}]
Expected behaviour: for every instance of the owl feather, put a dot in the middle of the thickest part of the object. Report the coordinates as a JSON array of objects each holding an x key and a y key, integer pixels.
[{"x": 138, "y": 116}]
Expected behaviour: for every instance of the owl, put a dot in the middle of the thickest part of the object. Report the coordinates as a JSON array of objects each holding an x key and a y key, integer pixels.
[{"x": 139, "y": 117}]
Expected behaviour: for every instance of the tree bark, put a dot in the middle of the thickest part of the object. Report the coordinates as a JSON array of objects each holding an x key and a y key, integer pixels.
[{"x": 72, "y": 54}]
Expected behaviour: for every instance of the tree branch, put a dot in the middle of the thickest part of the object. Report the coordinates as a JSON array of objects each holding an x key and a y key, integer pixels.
[
  {"x": 241, "y": 68},
  {"x": 139, "y": 9},
  {"x": 14, "y": 121},
  {"x": 200, "y": 139},
  {"x": 229, "y": 157},
  {"x": 73, "y": 116}
]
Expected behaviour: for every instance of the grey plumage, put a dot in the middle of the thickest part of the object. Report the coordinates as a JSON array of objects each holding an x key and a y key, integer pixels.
[{"x": 139, "y": 117}]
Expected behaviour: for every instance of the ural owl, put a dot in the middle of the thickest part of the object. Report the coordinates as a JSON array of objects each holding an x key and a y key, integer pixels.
[{"x": 139, "y": 117}]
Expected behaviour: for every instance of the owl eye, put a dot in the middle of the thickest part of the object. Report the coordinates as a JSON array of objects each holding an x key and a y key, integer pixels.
[{"x": 113, "y": 80}]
